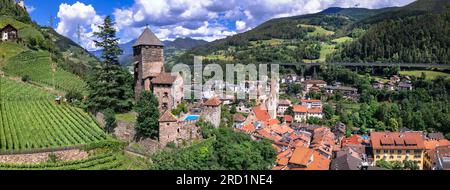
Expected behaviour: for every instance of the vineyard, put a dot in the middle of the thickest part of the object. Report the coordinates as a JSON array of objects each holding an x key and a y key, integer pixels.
[
  {"x": 37, "y": 65},
  {"x": 104, "y": 161},
  {"x": 29, "y": 120}
]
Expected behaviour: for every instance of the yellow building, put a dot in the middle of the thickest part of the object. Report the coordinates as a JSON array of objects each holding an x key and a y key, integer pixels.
[{"x": 395, "y": 146}]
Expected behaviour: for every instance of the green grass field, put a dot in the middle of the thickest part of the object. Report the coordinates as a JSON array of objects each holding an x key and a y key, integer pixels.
[
  {"x": 325, "y": 50},
  {"x": 341, "y": 40},
  {"x": 37, "y": 65},
  {"x": 429, "y": 74},
  {"x": 30, "y": 120},
  {"x": 319, "y": 31},
  {"x": 8, "y": 50}
]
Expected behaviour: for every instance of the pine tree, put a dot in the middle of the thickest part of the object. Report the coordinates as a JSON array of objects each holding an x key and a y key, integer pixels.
[
  {"x": 148, "y": 114},
  {"x": 110, "y": 85}
]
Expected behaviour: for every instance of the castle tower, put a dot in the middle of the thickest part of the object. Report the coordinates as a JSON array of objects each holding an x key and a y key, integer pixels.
[
  {"x": 148, "y": 61},
  {"x": 21, "y": 3},
  {"x": 211, "y": 111},
  {"x": 168, "y": 128}
]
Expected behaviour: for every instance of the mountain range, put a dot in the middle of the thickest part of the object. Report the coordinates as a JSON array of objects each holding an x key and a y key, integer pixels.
[{"x": 170, "y": 48}]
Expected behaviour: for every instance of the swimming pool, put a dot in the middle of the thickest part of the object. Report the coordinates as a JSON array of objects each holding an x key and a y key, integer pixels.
[{"x": 191, "y": 118}]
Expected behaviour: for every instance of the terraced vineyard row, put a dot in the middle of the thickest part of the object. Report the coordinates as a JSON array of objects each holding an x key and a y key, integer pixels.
[
  {"x": 38, "y": 66},
  {"x": 30, "y": 121},
  {"x": 42, "y": 124},
  {"x": 106, "y": 161},
  {"x": 13, "y": 90}
]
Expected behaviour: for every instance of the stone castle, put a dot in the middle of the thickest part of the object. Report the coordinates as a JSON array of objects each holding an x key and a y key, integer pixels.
[{"x": 150, "y": 75}]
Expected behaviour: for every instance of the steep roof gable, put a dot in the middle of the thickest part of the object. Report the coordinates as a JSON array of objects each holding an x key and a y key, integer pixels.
[{"x": 147, "y": 38}]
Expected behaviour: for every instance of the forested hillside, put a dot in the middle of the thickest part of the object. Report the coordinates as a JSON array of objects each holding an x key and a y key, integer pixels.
[
  {"x": 418, "y": 32},
  {"x": 415, "y": 39}
]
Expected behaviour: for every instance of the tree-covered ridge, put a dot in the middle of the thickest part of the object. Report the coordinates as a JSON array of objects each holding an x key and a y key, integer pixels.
[
  {"x": 418, "y": 39},
  {"x": 425, "y": 108}
]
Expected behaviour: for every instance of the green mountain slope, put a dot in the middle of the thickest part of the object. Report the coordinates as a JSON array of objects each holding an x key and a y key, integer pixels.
[
  {"x": 38, "y": 66},
  {"x": 38, "y": 48},
  {"x": 421, "y": 38},
  {"x": 293, "y": 39}
]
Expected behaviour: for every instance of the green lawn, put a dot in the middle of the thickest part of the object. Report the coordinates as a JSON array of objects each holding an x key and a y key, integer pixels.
[
  {"x": 319, "y": 31},
  {"x": 325, "y": 50},
  {"x": 8, "y": 50},
  {"x": 128, "y": 117},
  {"x": 430, "y": 74},
  {"x": 342, "y": 40}
]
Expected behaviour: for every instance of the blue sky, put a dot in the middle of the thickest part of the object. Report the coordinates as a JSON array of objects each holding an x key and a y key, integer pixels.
[{"x": 170, "y": 19}]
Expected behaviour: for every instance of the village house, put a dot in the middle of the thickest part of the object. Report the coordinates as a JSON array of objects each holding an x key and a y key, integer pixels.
[
  {"x": 283, "y": 105},
  {"x": 307, "y": 159},
  {"x": 302, "y": 113},
  {"x": 311, "y": 104},
  {"x": 350, "y": 158},
  {"x": 313, "y": 85},
  {"x": 9, "y": 33},
  {"x": 347, "y": 92},
  {"x": 397, "y": 146},
  {"x": 405, "y": 86},
  {"x": 437, "y": 152},
  {"x": 323, "y": 141},
  {"x": 438, "y": 158}
]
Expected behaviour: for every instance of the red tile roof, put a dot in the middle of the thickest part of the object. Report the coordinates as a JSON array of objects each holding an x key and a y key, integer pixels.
[
  {"x": 261, "y": 114},
  {"x": 215, "y": 101},
  {"x": 288, "y": 118},
  {"x": 397, "y": 140},
  {"x": 167, "y": 117},
  {"x": 352, "y": 140},
  {"x": 309, "y": 101},
  {"x": 164, "y": 78},
  {"x": 432, "y": 144},
  {"x": 301, "y": 156},
  {"x": 239, "y": 117},
  {"x": 248, "y": 128},
  {"x": 315, "y": 110},
  {"x": 300, "y": 109}
]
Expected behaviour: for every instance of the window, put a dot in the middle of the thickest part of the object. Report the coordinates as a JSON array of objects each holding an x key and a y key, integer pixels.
[
  {"x": 398, "y": 157},
  {"x": 400, "y": 151},
  {"x": 407, "y": 151},
  {"x": 166, "y": 94},
  {"x": 378, "y": 151},
  {"x": 391, "y": 157},
  {"x": 378, "y": 157},
  {"x": 392, "y": 151}
]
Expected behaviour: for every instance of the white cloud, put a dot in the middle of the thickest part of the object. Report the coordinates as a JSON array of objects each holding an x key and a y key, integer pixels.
[
  {"x": 186, "y": 18},
  {"x": 30, "y": 9},
  {"x": 240, "y": 25},
  {"x": 79, "y": 14},
  {"x": 200, "y": 19}
]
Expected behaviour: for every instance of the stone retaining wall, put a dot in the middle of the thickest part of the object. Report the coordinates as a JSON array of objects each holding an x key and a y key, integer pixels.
[{"x": 64, "y": 155}]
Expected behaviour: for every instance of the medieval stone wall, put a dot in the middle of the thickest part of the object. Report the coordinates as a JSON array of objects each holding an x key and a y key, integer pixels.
[{"x": 176, "y": 132}]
